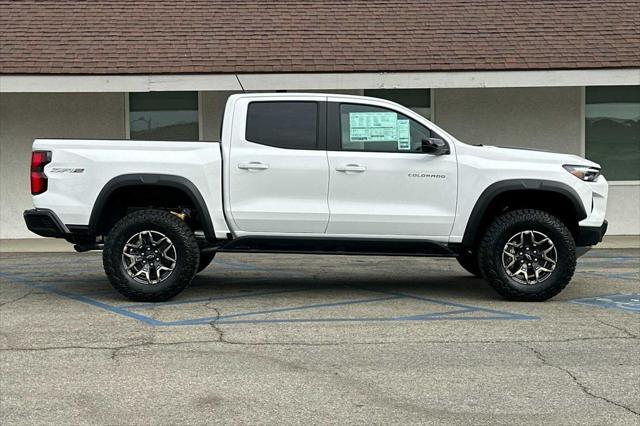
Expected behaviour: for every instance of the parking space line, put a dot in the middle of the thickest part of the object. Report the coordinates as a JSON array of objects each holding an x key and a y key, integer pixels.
[
  {"x": 211, "y": 299},
  {"x": 326, "y": 320},
  {"x": 436, "y": 314},
  {"x": 618, "y": 301},
  {"x": 239, "y": 318},
  {"x": 98, "y": 293},
  {"x": 459, "y": 305},
  {"x": 312, "y": 306},
  {"x": 225, "y": 318},
  {"x": 105, "y": 306}
]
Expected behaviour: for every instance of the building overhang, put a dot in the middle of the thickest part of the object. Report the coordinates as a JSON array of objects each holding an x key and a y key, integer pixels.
[{"x": 316, "y": 81}]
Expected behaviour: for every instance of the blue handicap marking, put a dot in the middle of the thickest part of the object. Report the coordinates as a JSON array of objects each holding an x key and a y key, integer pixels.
[
  {"x": 249, "y": 311},
  {"x": 625, "y": 302}
]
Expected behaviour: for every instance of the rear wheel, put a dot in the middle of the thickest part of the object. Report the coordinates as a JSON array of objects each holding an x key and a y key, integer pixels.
[
  {"x": 527, "y": 255},
  {"x": 150, "y": 256},
  {"x": 470, "y": 263}
]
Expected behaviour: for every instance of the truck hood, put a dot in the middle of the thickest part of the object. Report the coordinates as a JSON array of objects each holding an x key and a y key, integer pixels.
[{"x": 527, "y": 154}]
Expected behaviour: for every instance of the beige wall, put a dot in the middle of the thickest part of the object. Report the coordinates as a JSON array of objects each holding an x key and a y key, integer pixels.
[
  {"x": 623, "y": 209},
  {"x": 27, "y": 116},
  {"x": 213, "y": 104},
  {"x": 544, "y": 118}
]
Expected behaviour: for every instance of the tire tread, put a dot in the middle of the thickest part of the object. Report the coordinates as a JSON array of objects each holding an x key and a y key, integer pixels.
[
  {"x": 487, "y": 259},
  {"x": 191, "y": 255}
]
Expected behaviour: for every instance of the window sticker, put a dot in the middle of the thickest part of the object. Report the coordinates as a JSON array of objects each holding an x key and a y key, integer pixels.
[
  {"x": 404, "y": 137},
  {"x": 373, "y": 127}
]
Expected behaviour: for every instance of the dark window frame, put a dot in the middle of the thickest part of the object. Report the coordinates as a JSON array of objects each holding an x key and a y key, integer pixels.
[
  {"x": 321, "y": 128},
  {"x": 334, "y": 130}
]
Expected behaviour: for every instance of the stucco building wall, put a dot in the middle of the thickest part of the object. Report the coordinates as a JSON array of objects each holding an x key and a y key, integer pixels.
[
  {"x": 27, "y": 116},
  {"x": 543, "y": 118}
]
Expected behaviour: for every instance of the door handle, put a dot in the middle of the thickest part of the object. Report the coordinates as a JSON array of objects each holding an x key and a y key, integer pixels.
[
  {"x": 355, "y": 168},
  {"x": 254, "y": 165}
]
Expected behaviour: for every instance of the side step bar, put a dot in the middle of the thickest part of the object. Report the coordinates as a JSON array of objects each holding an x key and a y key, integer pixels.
[{"x": 343, "y": 246}]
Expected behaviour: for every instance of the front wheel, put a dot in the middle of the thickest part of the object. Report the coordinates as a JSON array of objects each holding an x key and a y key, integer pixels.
[
  {"x": 150, "y": 256},
  {"x": 527, "y": 255}
]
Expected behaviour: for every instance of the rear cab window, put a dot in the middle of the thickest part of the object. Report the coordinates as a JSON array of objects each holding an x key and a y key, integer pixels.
[{"x": 283, "y": 124}]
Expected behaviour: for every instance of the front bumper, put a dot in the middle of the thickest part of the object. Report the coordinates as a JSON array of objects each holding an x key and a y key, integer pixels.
[
  {"x": 45, "y": 223},
  {"x": 591, "y": 235}
]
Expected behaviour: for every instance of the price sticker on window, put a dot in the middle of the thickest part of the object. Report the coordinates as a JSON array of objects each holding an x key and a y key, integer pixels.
[
  {"x": 373, "y": 127},
  {"x": 404, "y": 135}
]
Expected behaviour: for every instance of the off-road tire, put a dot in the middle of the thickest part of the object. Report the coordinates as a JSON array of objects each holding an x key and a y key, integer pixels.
[
  {"x": 495, "y": 238},
  {"x": 470, "y": 264},
  {"x": 187, "y": 255},
  {"x": 205, "y": 260}
]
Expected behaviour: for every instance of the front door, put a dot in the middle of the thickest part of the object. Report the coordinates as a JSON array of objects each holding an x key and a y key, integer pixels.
[
  {"x": 381, "y": 183},
  {"x": 278, "y": 169}
]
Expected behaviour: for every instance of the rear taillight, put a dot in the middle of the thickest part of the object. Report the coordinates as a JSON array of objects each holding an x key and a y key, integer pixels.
[{"x": 39, "y": 159}]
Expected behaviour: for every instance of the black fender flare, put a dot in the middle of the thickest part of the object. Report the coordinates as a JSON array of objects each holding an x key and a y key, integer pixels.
[
  {"x": 497, "y": 188},
  {"x": 143, "y": 179}
]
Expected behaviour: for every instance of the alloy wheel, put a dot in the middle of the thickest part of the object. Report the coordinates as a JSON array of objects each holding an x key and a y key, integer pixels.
[
  {"x": 149, "y": 257},
  {"x": 529, "y": 257}
]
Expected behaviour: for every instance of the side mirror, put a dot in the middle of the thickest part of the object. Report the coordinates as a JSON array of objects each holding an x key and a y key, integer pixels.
[{"x": 435, "y": 146}]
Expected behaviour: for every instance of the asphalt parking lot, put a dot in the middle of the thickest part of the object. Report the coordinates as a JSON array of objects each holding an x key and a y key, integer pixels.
[{"x": 318, "y": 339}]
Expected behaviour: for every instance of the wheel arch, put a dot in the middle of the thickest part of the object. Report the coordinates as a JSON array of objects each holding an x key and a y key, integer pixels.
[
  {"x": 183, "y": 185},
  {"x": 562, "y": 200}
]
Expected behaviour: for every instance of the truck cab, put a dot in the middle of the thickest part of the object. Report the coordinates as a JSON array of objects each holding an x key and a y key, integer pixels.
[{"x": 337, "y": 166}]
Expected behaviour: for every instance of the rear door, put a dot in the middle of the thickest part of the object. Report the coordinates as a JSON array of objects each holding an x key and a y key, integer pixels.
[
  {"x": 278, "y": 168},
  {"x": 381, "y": 183}
]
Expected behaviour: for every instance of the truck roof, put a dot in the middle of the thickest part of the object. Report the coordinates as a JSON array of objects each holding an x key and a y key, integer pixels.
[{"x": 302, "y": 94}]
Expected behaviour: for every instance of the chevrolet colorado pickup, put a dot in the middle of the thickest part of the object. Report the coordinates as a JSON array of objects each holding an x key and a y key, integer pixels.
[{"x": 316, "y": 173}]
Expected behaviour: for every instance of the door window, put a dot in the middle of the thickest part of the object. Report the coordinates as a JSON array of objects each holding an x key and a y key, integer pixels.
[
  {"x": 374, "y": 129},
  {"x": 291, "y": 125}
]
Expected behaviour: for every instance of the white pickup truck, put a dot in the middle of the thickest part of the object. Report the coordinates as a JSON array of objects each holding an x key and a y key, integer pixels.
[{"x": 316, "y": 173}]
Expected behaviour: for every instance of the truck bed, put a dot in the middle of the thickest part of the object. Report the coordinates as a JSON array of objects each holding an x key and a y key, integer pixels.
[{"x": 81, "y": 168}]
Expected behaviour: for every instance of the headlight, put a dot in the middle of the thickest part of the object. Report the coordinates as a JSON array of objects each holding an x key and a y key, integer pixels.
[{"x": 585, "y": 173}]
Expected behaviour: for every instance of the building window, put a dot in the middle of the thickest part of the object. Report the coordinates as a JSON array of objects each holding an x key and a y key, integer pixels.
[
  {"x": 170, "y": 116},
  {"x": 417, "y": 100},
  {"x": 612, "y": 130}
]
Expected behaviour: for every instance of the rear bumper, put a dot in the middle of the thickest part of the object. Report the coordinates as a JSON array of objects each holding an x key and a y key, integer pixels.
[
  {"x": 591, "y": 235},
  {"x": 45, "y": 223}
]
